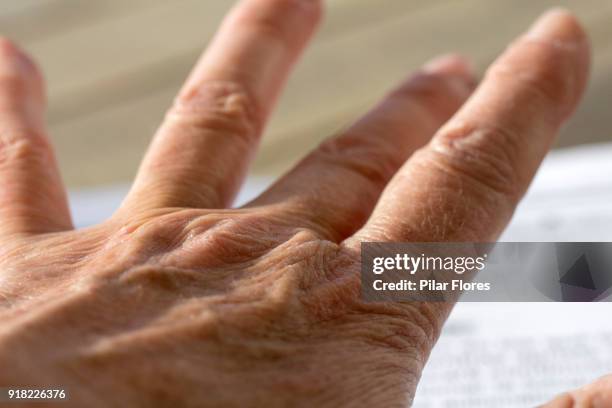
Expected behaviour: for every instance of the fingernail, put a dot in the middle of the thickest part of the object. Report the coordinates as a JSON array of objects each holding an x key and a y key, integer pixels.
[{"x": 452, "y": 64}]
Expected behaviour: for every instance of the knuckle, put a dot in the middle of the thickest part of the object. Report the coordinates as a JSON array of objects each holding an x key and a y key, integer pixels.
[
  {"x": 235, "y": 239},
  {"x": 487, "y": 156},
  {"x": 220, "y": 106},
  {"x": 221, "y": 239},
  {"x": 151, "y": 233},
  {"x": 15, "y": 150},
  {"x": 305, "y": 247}
]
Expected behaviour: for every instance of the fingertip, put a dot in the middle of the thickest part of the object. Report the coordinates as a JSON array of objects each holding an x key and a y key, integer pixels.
[
  {"x": 8, "y": 47},
  {"x": 561, "y": 401},
  {"x": 563, "y": 32},
  {"x": 316, "y": 7},
  {"x": 14, "y": 60},
  {"x": 447, "y": 80},
  {"x": 558, "y": 25},
  {"x": 455, "y": 64},
  {"x": 294, "y": 13},
  {"x": 455, "y": 67}
]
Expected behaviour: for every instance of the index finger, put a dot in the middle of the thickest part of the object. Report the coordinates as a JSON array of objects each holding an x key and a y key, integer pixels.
[{"x": 465, "y": 184}]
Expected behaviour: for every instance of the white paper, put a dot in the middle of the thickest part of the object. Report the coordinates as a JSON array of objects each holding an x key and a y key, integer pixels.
[{"x": 523, "y": 354}]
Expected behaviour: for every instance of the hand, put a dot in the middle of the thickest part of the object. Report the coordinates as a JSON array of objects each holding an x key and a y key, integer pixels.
[
  {"x": 596, "y": 395},
  {"x": 179, "y": 301}
]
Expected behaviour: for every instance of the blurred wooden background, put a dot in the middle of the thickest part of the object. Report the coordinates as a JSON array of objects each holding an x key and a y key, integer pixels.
[{"x": 113, "y": 67}]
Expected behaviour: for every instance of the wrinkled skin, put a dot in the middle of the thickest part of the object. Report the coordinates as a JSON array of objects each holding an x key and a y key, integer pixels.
[
  {"x": 179, "y": 301},
  {"x": 187, "y": 305}
]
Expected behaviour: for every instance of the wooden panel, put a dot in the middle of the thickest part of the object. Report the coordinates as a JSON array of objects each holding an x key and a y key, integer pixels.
[
  {"x": 12, "y": 8},
  {"x": 340, "y": 76},
  {"x": 106, "y": 77},
  {"x": 43, "y": 19},
  {"x": 104, "y": 49},
  {"x": 112, "y": 78}
]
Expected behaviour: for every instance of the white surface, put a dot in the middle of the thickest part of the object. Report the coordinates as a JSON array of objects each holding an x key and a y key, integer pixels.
[
  {"x": 570, "y": 199},
  {"x": 93, "y": 205},
  {"x": 505, "y": 355},
  {"x": 523, "y": 354}
]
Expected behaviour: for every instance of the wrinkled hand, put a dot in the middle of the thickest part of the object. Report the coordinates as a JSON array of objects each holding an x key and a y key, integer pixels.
[{"x": 179, "y": 301}]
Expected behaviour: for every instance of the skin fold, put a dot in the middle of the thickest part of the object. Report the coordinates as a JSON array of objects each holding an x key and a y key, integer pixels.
[{"x": 178, "y": 300}]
